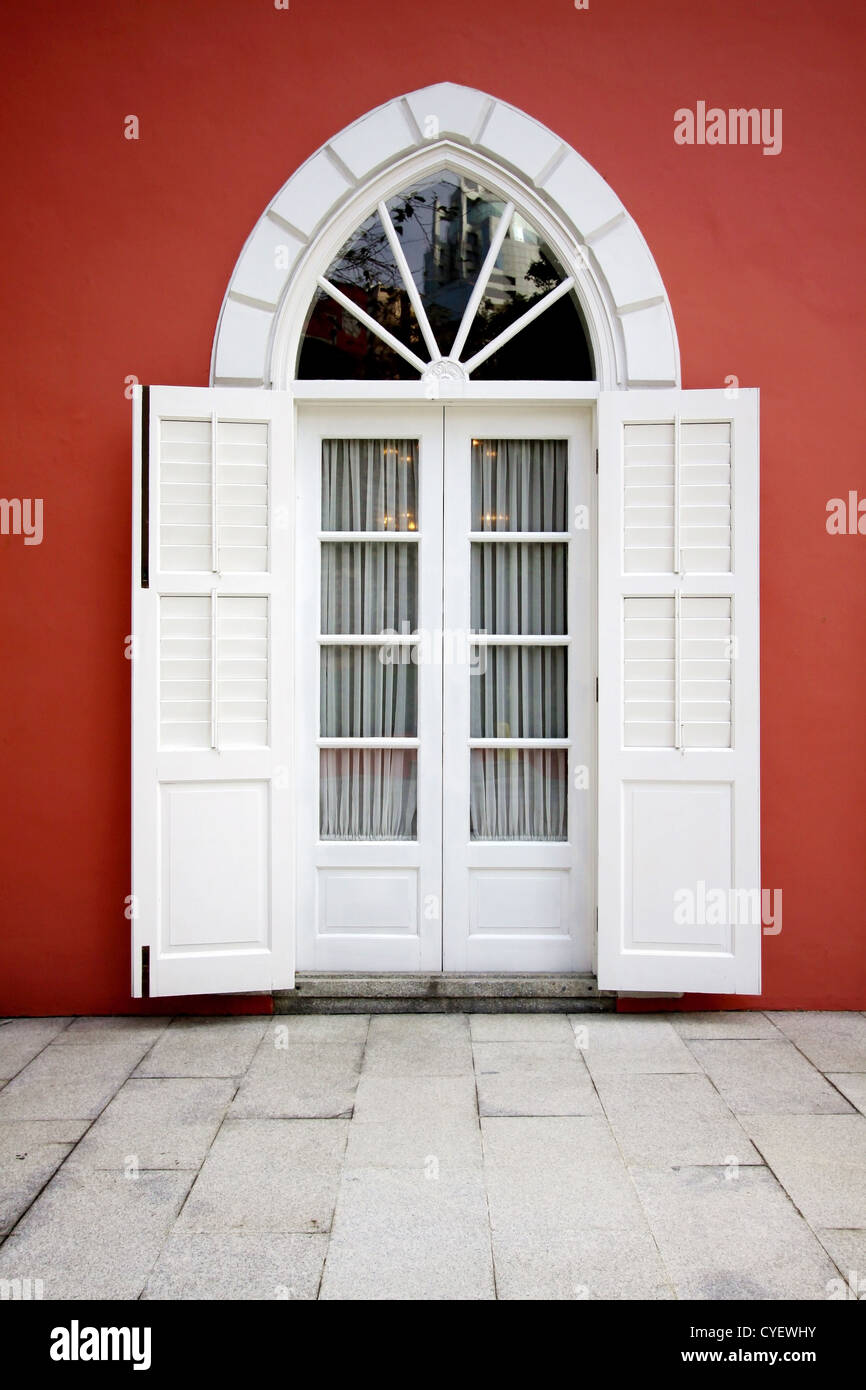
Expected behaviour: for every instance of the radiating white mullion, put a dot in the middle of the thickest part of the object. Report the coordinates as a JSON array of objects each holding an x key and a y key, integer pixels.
[
  {"x": 481, "y": 283},
  {"x": 409, "y": 282},
  {"x": 363, "y": 317},
  {"x": 523, "y": 322}
]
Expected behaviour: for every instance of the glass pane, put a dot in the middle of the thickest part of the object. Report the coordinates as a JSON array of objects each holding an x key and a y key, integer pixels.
[
  {"x": 368, "y": 692},
  {"x": 337, "y": 347},
  {"x": 368, "y": 794},
  {"x": 519, "y": 485},
  {"x": 369, "y": 484},
  {"x": 369, "y": 587},
  {"x": 518, "y": 794},
  {"x": 554, "y": 347},
  {"x": 519, "y": 692},
  {"x": 519, "y": 588},
  {"x": 445, "y": 226},
  {"x": 526, "y": 270}
]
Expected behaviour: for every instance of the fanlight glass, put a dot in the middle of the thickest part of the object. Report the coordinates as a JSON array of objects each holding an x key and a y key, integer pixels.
[{"x": 446, "y": 279}]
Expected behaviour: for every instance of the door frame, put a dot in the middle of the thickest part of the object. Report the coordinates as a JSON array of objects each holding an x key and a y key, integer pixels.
[{"x": 343, "y": 396}]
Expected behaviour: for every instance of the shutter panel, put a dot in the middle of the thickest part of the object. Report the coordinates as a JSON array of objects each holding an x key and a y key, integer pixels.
[
  {"x": 212, "y": 873},
  {"x": 679, "y": 823}
]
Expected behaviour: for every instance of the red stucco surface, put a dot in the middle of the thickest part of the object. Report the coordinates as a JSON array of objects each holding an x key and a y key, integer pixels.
[{"x": 115, "y": 258}]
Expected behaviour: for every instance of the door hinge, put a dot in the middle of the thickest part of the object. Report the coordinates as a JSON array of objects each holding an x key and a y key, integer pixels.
[
  {"x": 145, "y": 487},
  {"x": 145, "y": 972},
  {"x": 596, "y": 690},
  {"x": 596, "y": 460},
  {"x": 596, "y": 921}
]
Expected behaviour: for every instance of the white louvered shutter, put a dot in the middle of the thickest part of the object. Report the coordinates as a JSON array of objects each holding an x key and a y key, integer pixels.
[
  {"x": 212, "y": 879},
  {"x": 679, "y": 823}
]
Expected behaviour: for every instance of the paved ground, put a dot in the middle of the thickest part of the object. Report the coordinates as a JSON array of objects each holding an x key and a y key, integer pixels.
[{"x": 704, "y": 1156}]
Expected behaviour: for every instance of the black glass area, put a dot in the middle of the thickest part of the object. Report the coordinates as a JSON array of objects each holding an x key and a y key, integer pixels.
[{"x": 445, "y": 227}]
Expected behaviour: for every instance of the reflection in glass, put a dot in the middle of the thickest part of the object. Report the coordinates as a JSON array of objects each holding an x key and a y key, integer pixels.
[{"x": 445, "y": 228}]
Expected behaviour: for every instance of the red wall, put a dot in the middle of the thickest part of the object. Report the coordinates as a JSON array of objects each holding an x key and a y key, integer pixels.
[{"x": 115, "y": 258}]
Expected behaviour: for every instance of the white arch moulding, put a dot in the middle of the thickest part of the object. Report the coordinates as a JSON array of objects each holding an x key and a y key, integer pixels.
[{"x": 624, "y": 301}]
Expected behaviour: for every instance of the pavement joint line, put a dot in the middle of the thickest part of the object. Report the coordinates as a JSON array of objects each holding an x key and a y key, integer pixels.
[
  {"x": 807, "y": 1223},
  {"x": 196, "y": 1172},
  {"x": 733, "y": 1114},
  {"x": 42, "y": 1049},
  {"x": 825, "y": 1075},
  {"x": 330, "y": 1231},
  {"x": 475, "y": 1075},
  {"x": 662, "y": 1261},
  {"x": 59, "y": 1169}
]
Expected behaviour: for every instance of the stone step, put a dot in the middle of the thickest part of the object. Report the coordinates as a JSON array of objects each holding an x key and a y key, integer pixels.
[{"x": 356, "y": 993}]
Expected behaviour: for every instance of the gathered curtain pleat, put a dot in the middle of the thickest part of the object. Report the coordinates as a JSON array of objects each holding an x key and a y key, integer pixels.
[
  {"x": 368, "y": 587},
  {"x": 519, "y": 588}
]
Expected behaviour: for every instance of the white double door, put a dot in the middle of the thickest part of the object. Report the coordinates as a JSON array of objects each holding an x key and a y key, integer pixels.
[{"x": 444, "y": 688}]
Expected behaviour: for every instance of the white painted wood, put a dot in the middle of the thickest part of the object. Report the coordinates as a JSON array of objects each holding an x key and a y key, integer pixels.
[
  {"x": 213, "y": 871},
  {"x": 369, "y": 905},
  {"x": 518, "y": 905},
  {"x": 367, "y": 391},
  {"x": 678, "y": 816},
  {"x": 380, "y": 906}
]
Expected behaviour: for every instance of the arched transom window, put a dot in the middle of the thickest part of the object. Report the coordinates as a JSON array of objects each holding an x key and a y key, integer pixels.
[{"x": 446, "y": 280}]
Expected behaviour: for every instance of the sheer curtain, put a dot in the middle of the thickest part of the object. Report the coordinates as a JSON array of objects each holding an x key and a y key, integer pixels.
[
  {"x": 368, "y": 794},
  {"x": 369, "y": 484},
  {"x": 519, "y": 588},
  {"x": 368, "y": 587},
  {"x": 519, "y": 485},
  {"x": 519, "y": 794}
]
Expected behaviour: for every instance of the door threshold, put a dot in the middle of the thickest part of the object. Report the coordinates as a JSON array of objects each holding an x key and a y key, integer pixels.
[{"x": 441, "y": 993}]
